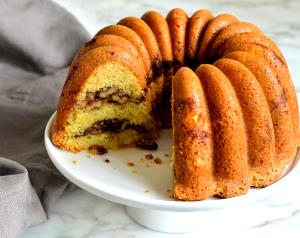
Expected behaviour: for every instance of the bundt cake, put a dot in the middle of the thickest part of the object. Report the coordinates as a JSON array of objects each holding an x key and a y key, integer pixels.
[{"x": 221, "y": 85}]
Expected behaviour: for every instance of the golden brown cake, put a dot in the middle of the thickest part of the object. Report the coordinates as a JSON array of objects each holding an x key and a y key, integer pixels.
[
  {"x": 193, "y": 138},
  {"x": 195, "y": 29},
  {"x": 278, "y": 65},
  {"x": 235, "y": 120},
  {"x": 228, "y": 32},
  {"x": 177, "y": 21},
  {"x": 105, "y": 102},
  {"x": 133, "y": 38},
  {"x": 279, "y": 109},
  {"x": 106, "y": 40},
  {"x": 144, "y": 31},
  {"x": 258, "y": 121},
  {"x": 257, "y": 38},
  {"x": 156, "y": 79},
  {"x": 230, "y": 168},
  {"x": 160, "y": 29},
  {"x": 213, "y": 27}
]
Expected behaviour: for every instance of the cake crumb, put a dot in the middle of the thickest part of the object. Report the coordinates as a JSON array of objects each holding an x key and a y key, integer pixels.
[
  {"x": 130, "y": 164},
  {"x": 167, "y": 155},
  {"x": 106, "y": 160},
  {"x": 149, "y": 156},
  {"x": 147, "y": 165},
  {"x": 169, "y": 190},
  {"x": 142, "y": 160},
  {"x": 157, "y": 160},
  {"x": 75, "y": 161},
  {"x": 146, "y": 191},
  {"x": 97, "y": 150}
]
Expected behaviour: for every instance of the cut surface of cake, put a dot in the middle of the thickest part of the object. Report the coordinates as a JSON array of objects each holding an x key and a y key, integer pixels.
[
  {"x": 226, "y": 85},
  {"x": 105, "y": 102}
]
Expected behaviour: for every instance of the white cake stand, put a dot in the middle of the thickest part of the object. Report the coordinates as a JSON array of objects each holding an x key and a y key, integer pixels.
[{"x": 144, "y": 187}]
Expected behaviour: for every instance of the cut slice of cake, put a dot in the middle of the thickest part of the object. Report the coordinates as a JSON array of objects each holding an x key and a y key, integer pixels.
[{"x": 105, "y": 103}]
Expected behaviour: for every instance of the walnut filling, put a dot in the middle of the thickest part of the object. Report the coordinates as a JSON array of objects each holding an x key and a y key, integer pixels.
[
  {"x": 113, "y": 126},
  {"x": 107, "y": 95}
]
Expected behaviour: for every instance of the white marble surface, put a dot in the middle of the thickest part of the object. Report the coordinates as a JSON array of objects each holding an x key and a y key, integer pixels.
[{"x": 81, "y": 215}]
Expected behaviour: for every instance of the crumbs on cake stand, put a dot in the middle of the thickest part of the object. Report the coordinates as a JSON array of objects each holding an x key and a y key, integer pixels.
[
  {"x": 148, "y": 160},
  {"x": 75, "y": 161},
  {"x": 158, "y": 160},
  {"x": 149, "y": 156},
  {"x": 130, "y": 164},
  {"x": 97, "y": 150}
]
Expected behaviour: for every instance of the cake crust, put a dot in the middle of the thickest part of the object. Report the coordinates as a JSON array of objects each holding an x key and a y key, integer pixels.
[
  {"x": 133, "y": 38},
  {"x": 213, "y": 27},
  {"x": 106, "y": 40},
  {"x": 177, "y": 20},
  {"x": 192, "y": 133},
  {"x": 278, "y": 66},
  {"x": 160, "y": 29},
  {"x": 285, "y": 148},
  {"x": 234, "y": 29},
  {"x": 257, "y": 38},
  {"x": 258, "y": 121},
  {"x": 144, "y": 31},
  {"x": 195, "y": 29},
  {"x": 231, "y": 169}
]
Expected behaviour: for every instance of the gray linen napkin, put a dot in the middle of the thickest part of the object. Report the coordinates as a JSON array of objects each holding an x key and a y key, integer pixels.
[{"x": 37, "y": 42}]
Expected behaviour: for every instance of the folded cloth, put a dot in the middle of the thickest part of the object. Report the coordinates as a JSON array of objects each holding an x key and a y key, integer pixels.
[{"x": 37, "y": 42}]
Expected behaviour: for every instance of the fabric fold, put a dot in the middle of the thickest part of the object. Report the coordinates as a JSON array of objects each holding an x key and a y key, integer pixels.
[{"x": 38, "y": 40}]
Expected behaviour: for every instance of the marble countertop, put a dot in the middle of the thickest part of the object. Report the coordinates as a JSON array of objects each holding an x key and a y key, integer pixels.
[{"x": 79, "y": 214}]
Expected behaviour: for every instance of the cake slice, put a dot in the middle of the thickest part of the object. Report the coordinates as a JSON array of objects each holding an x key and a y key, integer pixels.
[{"x": 105, "y": 103}]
